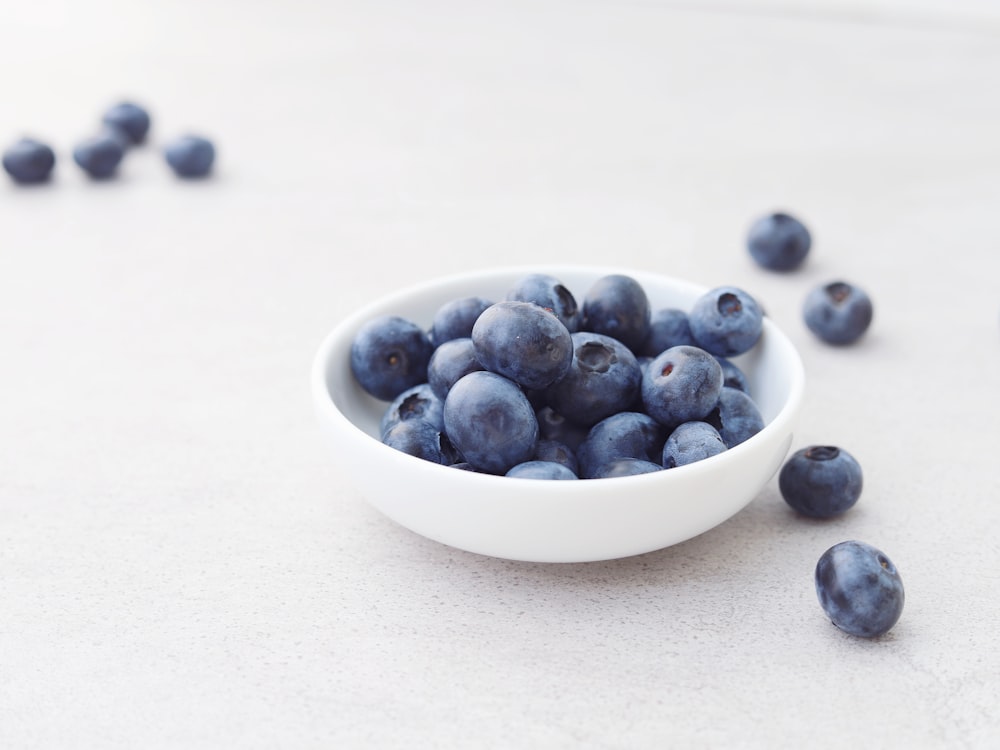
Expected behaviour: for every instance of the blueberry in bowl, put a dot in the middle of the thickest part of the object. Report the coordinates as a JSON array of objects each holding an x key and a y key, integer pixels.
[{"x": 624, "y": 501}]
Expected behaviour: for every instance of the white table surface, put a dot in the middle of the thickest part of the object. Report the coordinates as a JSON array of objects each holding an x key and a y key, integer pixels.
[{"x": 181, "y": 562}]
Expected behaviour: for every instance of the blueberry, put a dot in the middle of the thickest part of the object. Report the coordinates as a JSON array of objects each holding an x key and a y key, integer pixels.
[
  {"x": 627, "y": 467},
  {"x": 690, "y": 442},
  {"x": 550, "y": 293},
  {"x": 680, "y": 385},
  {"x": 389, "y": 354},
  {"x": 451, "y": 361},
  {"x": 736, "y": 417},
  {"x": 838, "y": 312},
  {"x": 418, "y": 402},
  {"x": 190, "y": 156},
  {"x": 29, "y": 161},
  {"x": 130, "y": 119},
  {"x": 100, "y": 155},
  {"x": 733, "y": 376},
  {"x": 490, "y": 421},
  {"x": 603, "y": 379},
  {"x": 422, "y": 440},
  {"x": 622, "y": 435},
  {"x": 560, "y": 453},
  {"x": 554, "y": 426},
  {"x": 455, "y": 318},
  {"x": 541, "y": 470},
  {"x": 859, "y": 589},
  {"x": 726, "y": 321},
  {"x": 523, "y": 342},
  {"x": 667, "y": 327},
  {"x": 779, "y": 242},
  {"x": 617, "y": 306},
  {"x": 821, "y": 481}
]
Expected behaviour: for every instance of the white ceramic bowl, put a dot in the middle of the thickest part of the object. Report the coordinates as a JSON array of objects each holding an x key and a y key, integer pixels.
[{"x": 544, "y": 520}]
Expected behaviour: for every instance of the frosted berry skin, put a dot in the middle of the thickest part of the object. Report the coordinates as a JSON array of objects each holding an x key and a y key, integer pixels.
[
  {"x": 190, "y": 156},
  {"x": 389, "y": 354},
  {"x": 29, "y": 162},
  {"x": 523, "y": 342},
  {"x": 617, "y": 306},
  {"x": 778, "y": 242},
  {"x": 549, "y": 293},
  {"x": 541, "y": 470},
  {"x": 100, "y": 155},
  {"x": 691, "y": 442},
  {"x": 726, "y": 321},
  {"x": 603, "y": 379},
  {"x": 821, "y": 481},
  {"x": 859, "y": 589},
  {"x": 490, "y": 422},
  {"x": 418, "y": 402},
  {"x": 838, "y": 312},
  {"x": 680, "y": 385},
  {"x": 130, "y": 119},
  {"x": 454, "y": 319}
]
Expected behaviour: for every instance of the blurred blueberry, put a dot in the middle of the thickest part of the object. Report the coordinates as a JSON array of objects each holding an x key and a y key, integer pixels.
[
  {"x": 190, "y": 156},
  {"x": 726, "y": 321},
  {"x": 29, "y": 161},
  {"x": 99, "y": 155},
  {"x": 128, "y": 118},
  {"x": 838, "y": 312},
  {"x": 541, "y": 470},
  {"x": 779, "y": 242}
]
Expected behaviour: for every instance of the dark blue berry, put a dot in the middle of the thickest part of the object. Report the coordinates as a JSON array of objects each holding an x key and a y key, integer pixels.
[
  {"x": 29, "y": 161},
  {"x": 450, "y": 362},
  {"x": 622, "y": 435},
  {"x": 454, "y": 319},
  {"x": 726, "y": 321},
  {"x": 490, "y": 422},
  {"x": 736, "y": 417},
  {"x": 418, "y": 402},
  {"x": 821, "y": 481},
  {"x": 190, "y": 156},
  {"x": 560, "y": 453},
  {"x": 523, "y": 342},
  {"x": 859, "y": 588},
  {"x": 838, "y": 313},
  {"x": 603, "y": 379},
  {"x": 549, "y": 293},
  {"x": 617, "y": 306},
  {"x": 541, "y": 470},
  {"x": 100, "y": 155},
  {"x": 680, "y": 385},
  {"x": 422, "y": 440},
  {"x": 130, "y": 119},
  {"x": 668, "y": 327},
  {"x": 690, "y": 442},
  {"x": 389, "y": 354},
  {"x": 779, "y": 242}
]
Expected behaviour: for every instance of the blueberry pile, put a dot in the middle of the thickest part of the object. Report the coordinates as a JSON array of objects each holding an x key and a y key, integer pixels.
[
  {"x": 29, "y": 161},
  {"x": 539, "y": 385}
]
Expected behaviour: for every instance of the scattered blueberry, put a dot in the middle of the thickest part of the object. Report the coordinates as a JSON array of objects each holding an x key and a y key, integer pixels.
[
  {"x": 821, "y": 481},
  {"x": 541, "y": 470},
  {"x": 99, "y": 155},
  {"x": 859, "y": 589},
  {"x": 548, "y": 292},
  {"x": 190, "y": 156},
  {"x": 523, "y": 342},
  {"x": 130, "y": 119},
  {"x": 490, "y": 421},
  {"x": 680, "y": 385},
  {"x": 29, "y": 161},
  {"x": 389, "y": 354},
  {"x": 690, "y": 442},
  {"x": 726, "y": 321},
  {"x": 617, "y": 306},
  {"x": 838, "y": 312},
  {"x": 454, "y": 319},
  {"x": 779, "y": 242}
]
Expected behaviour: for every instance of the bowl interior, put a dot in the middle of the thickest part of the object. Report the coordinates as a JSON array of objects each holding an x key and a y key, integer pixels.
[{"x": 545, "y": 520}]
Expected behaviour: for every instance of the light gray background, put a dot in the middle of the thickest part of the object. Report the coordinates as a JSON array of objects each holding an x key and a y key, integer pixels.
[{"x": 181, "y": 564}]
